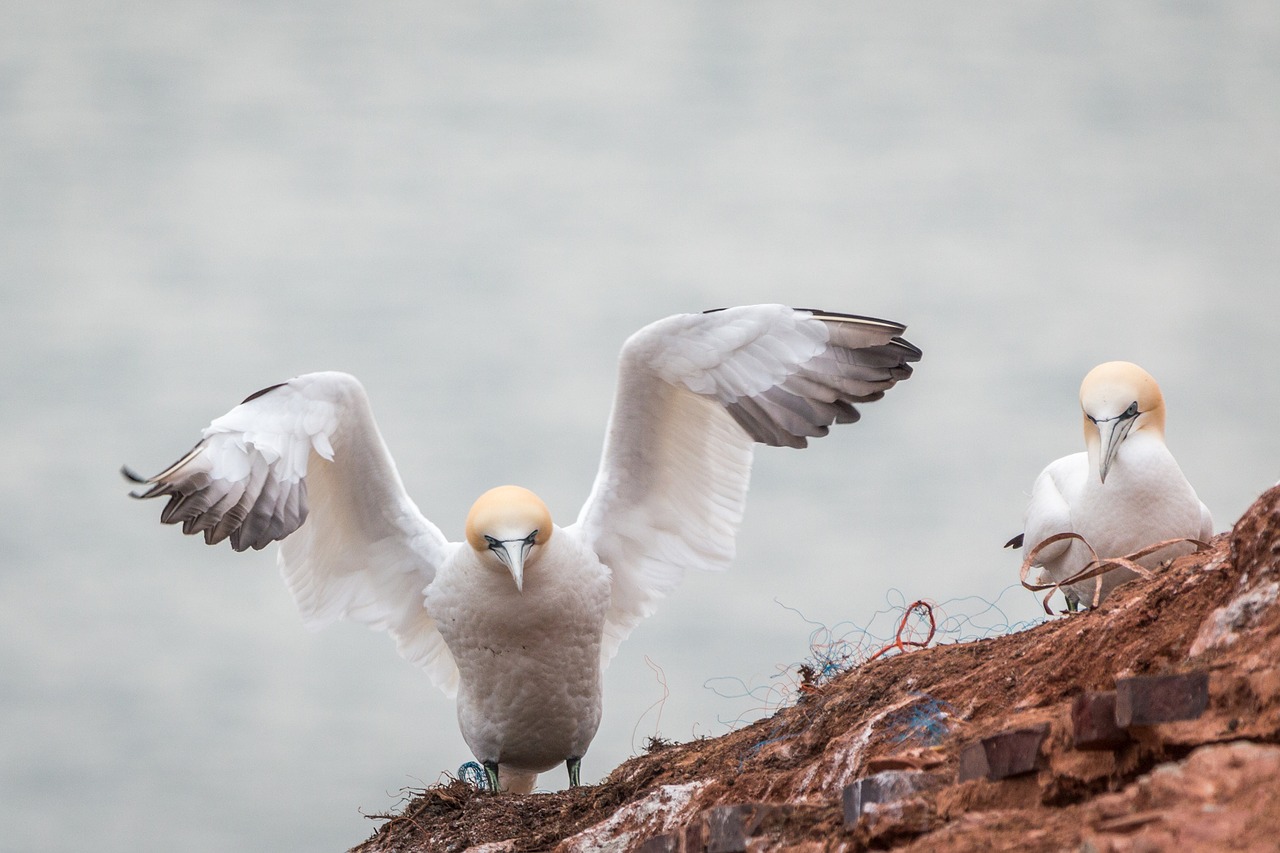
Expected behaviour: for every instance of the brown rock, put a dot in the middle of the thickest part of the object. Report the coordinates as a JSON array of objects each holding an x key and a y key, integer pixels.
[
  {"x": 1255, "y": 539},
  {"x": 899, "y": 819},
  {"x": 1221, "y": 797}
]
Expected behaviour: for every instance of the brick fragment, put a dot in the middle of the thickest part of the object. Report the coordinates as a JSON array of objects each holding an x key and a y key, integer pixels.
[
  {"x": 1145, "y": 700},
  {"x": 885, "y": 787},
  {"x": 1002, "y": 755},
  {"x": 973, "y": 762},
  {"x": 669, "y": 843},
  {"x": 727, "y": 828},
  {"x": 1093, "y": 722}
]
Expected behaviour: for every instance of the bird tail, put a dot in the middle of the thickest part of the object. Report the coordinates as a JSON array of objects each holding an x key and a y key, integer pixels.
[{"x": 516, "y": 781}]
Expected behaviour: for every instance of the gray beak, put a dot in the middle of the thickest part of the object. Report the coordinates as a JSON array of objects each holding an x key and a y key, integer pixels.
[
  {"x": 512, "y": 553},
  {"x": 1112, "y": 432}
]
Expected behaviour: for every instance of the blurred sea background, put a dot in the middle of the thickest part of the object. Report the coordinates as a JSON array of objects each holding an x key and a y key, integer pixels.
[{"x": 470, "y": 207}]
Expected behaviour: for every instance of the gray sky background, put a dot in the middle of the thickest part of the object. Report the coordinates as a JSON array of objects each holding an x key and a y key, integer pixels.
[{"x": 470, "y": 206}]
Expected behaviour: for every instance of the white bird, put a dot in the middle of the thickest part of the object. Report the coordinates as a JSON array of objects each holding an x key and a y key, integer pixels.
[
  {"x": 519, "y": 619},
  {"x": 1123, "y": 493}
]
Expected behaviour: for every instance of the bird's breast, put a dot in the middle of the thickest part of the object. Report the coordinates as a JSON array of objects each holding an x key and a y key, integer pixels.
[
  {"x": 1145, "y": 499},
  {"x": 529, "y": 662}
]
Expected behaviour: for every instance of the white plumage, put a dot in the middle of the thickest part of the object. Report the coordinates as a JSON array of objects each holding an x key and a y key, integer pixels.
[
  {"x": 519, "y": 620},
  {"x": 1123, "y": 493}
]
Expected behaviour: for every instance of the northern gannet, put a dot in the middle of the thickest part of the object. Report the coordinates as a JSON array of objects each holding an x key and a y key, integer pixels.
[
  {"x": 519, "y": 619},
  {"x": 1123, "y": 493}
]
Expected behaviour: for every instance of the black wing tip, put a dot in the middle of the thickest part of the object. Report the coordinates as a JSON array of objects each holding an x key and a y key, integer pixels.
[
  {"x": 134, "y": 477},
  {"x": 256, "y": 394},
  {"x": 914, "y": 352},
  {"x": 839, "y": 316},
  {"x": 911, "y": 351},
  {"x": 1015, "y": 542}
]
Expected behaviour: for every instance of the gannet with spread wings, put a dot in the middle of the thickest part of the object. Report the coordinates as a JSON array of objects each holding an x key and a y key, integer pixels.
[
  {"x": 519, "y": 619},
  {"x": 1123, "y": 493}
]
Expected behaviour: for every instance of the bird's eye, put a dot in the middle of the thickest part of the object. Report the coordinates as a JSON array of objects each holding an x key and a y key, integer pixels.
[
  {"x": 494, "y": 544},
  {"x": 1132, "y": 411},
  {"x": 531, "y": 538},
  {"x": 1092, "y": 419}
]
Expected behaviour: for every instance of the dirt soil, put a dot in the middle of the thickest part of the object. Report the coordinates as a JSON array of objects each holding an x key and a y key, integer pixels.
[{"x": 1206, "y": 784}]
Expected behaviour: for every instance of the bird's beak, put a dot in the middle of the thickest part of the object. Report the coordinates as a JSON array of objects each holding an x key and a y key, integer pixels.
[
  {"x": 512, "y": 555},
  {"x": 516, "y": 567},
  {"x": 1111, "y": 433}
]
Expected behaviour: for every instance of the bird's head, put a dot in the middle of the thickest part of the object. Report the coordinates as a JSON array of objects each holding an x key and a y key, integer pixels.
[
  {"x": 507, "y": 527},
  {"x": 1118, "y": 399}
]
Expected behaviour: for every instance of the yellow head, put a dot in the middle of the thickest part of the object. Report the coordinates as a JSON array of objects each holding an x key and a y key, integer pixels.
[
  {"x": 1118, "y": 398},
  {"x": 508, "y": 525}
]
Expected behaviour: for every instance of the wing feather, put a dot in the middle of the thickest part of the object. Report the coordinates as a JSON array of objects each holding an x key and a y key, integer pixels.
[
  {"x": 303, "y": 462},
  {"x": 695, "y": 392},
  {"x": 1049, "y": 510}
]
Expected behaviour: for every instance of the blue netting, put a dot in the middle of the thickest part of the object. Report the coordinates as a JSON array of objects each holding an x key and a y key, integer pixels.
[
  {"x": 473, "y": 774},
  {"x": 834, "y": 649}
]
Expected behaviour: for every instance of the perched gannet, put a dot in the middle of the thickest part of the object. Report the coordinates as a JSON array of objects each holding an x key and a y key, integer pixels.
[
  {"x": 1124, "y": 493},
  {"x": 519, "y": 619}
]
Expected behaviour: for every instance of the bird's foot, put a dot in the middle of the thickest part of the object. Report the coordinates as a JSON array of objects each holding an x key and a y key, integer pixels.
[
  {"x": 575, "y": 771},
  {"x": 491, "y": 776}
]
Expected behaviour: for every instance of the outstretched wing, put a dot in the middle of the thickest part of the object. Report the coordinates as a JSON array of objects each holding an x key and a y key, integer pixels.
[
  {"x": 304, "y": 462},
  {"x": 695, "y": 392}
]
